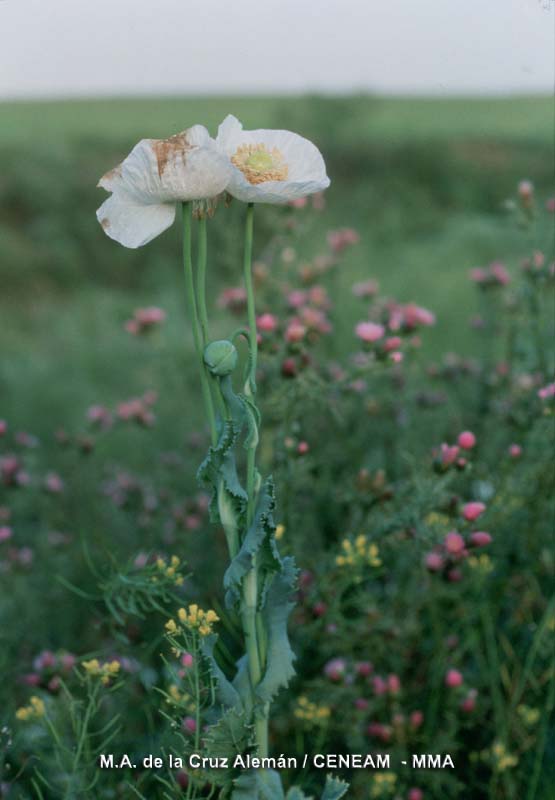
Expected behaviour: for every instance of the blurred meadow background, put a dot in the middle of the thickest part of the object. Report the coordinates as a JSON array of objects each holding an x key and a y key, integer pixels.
[{"x": 441, "y": 162}]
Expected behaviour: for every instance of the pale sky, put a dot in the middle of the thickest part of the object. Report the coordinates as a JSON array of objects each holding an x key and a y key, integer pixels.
[{"x": 60, "y": 48}]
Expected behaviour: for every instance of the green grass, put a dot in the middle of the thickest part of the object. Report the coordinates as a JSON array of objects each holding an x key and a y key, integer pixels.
[
  {"x": 520, "y": 118},
  {"x": 423, "y": 181}
]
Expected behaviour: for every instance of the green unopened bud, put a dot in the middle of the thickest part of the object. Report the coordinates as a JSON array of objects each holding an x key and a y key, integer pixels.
[{"x": 220, "y": 357}]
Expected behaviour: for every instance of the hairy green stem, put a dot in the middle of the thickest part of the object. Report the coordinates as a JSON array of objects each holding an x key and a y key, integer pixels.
[
  {"x": 193, "y": 313},
  {"x": 251, "y": 619}
]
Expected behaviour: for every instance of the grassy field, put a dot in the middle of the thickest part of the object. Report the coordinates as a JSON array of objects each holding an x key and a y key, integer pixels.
[
  {"x": 354, "y": 447},
  {"x": 423, "y": 181}
]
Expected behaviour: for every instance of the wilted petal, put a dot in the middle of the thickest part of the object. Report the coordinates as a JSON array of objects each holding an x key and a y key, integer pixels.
[
  {"x": 132, "y": 223},
  {"x": 157, "y": 174}
]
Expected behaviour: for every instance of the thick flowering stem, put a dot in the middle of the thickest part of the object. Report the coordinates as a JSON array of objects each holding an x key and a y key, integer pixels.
[
  {"x": 251, "y": 625},
  {"x": 193, "y": 313}
]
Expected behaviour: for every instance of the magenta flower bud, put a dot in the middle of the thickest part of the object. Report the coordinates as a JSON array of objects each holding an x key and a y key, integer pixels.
[
  {"x": 363, "y": 668},
  {"x": 454, "y": 543},
  {"x": 187, "y": 660},
  {"x": 303, "y": 448},
  {"x": 189, "y": 725},
  {"x": 415, "y": 794},
  {"x": 393, "y": 684},
  {"x": 295, "y": 332},
  {"x": 31, "y": 679},
  {"x": 416, "y": 719},
  {"x": 335, "y": 669},
  {"x": 379, "y": 685},
  {"x": 448, "y": 454},
  {"x": 480, "y": 538},
  {"x": 319, "y": 609},
  {"x": 434, "y": 562},
  {"x": 468, "y": 704},
  {"x": 3, "y": 427},
  {"x": 466, "y": 440},
  {"x": 68, "y": 661},
  {"x": 472, "y": 511},
  {"x": 454, "y": 576},
  {"x": 267, "y": 323},
  {"x": 361, "y": 704},
  {"x": 453, "y": 678},
  {"x": 182, "y": 779},
  {"x": 5, "y": 533},
  {"x": 515, "y": 451},
  {"x": 392, "y": 343}
]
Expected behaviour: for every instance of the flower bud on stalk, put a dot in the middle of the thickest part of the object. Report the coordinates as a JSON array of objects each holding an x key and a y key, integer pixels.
[{"x": 220, "y": 357}]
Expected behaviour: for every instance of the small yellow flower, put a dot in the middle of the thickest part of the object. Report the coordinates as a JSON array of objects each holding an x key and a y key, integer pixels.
[
  {"x": 194, "y": 618},
  {"x": 34, "y": 710},
  {"x": 530, "y": 716},
  {"x": 310, "y": 712},
  {"x": 280, "y": 530},
  {"x": 361, "y": 554}
]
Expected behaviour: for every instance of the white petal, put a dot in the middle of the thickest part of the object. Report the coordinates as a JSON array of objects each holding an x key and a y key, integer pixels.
[
  {"x": 306, "y": 167},
  {"x": 132, "y": 223},
  {"x": 187, "y": 166}
]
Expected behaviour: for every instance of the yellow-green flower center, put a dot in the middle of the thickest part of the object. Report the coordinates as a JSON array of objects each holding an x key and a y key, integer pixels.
[{"x": 259, "y": 164}]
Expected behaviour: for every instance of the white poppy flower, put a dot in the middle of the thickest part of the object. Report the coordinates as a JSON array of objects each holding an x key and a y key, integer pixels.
[
  {"x": 157, "y": 174},
  {"x": 270, "y": 166}
]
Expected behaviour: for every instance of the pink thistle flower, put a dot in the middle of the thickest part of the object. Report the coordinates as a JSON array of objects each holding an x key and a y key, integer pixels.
[
  {"x": 480, "y": 539},
  {"x": 189, "y": 725},
  {"x": 550, "y": 205},
  {"x": 393, "y": 684},
  {"x": 45, "y": 660},
  {"x": 267, "y": 323},
  {"x": 335, "y": 669},
  {"x": 68, "y": 661},
  {"x": 547, "y": 391},
  {"x": 454, "y": 543},
  {"x": 478, "y": 275},
  {"x": 396, "y": 357},
  {"x": 468, "y": 704},
  {"x": 466, "y": 440},
  {"x": 187, "y": 660},
  {"x": 53, "y": 483},
  {"x": 472, "y": 511},
  {"x": 233, "y": 299},
  {"x": 379, "y": 731},
  {"x": 369, "y": 331},
  {"x": 515, "y": 451},
  {"x": 453, "y": 678},
  {"x": 319, "y": 609},
  {"x": 3, "y": 427},
  {"x": 392, "y": 343},
  {"x": 5, "y": 533},
  {"x": 295, "y": 332},
  {"x": 499, "y": 273},
  {"x": 415, "y": 794},
  {"x": 448, "y": 454},
  {"x": 361, "y": 704},
  {"x": 296, "y": 298},
  {"x": 303, "y": 448},
  {"x": 341, "y": 239},
  {"x": 434, "y": 562},
  {"x": 416, "y": 719},
  {"x": 363, "y": 668},
  {"x": 379, "y": 685}
]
